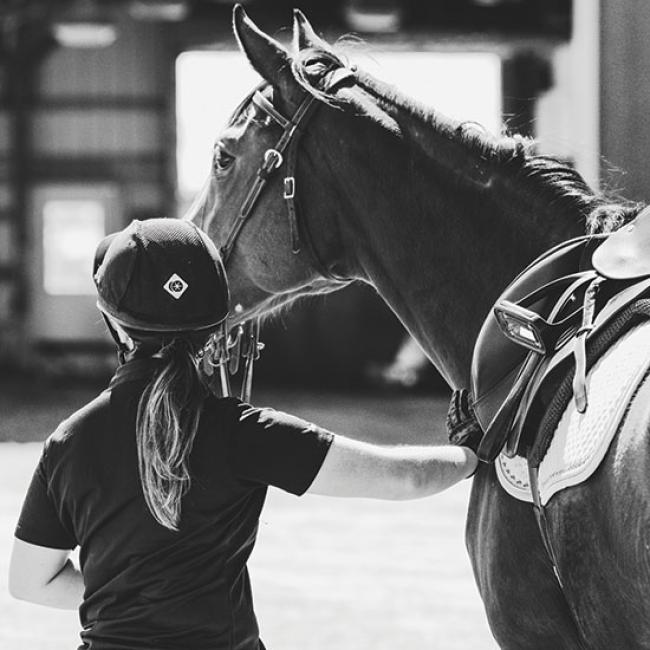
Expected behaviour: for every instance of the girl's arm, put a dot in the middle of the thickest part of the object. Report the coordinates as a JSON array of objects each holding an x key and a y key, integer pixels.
[
  {"x": 45, "y": 576},
  {"x": 359, "y": 469}
]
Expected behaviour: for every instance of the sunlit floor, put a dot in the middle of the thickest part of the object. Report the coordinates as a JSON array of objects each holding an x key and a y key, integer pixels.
[{"x": 326, "y": 573}]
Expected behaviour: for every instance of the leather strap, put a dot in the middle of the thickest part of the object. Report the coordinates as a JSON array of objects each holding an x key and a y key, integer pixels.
[
  {"x": 274, "y": 158},
  {"x": 507, "y": 423},
  {"x": 263, "y": 103},
  {"x": 613, "y": 307},
  {"x": 517, "y": 427},
  {"x": 289, "y": 195},
  {"x": 542, "y": 523}
]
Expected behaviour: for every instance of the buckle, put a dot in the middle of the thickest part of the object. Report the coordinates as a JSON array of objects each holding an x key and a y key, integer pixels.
[
  {"x": 289, "y": 187},
  {"x": 272, "y": 160}
]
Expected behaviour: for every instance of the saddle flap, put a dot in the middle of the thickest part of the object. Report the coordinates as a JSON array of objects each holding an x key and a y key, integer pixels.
[
  {"x": 622, "y": 309},
  {"x": 497, "y": 359},
  {"x": 625, "y": 254}
]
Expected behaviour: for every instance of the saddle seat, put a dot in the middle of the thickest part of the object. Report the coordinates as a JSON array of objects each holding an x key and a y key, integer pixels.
[{"x": 507, "y": 377}]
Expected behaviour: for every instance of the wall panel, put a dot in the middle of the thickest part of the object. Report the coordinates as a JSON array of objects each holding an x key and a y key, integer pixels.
[
  {"x": 100, "y": 118},
  {"x": 6, "y": 294},
  {"x": 7, "y": 251},
  {"x": 5, "y": 197},
  {"x": 144, "y": 200},
  {"x": 625, "y": 97},
  {"x": 97, "y": 131},
  {"x": 4, "y": 132},
  {"x": 134, "y": 65}
]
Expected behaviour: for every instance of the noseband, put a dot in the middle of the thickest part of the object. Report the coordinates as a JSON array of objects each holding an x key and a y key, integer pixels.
[{"x": 286, "y": 148}]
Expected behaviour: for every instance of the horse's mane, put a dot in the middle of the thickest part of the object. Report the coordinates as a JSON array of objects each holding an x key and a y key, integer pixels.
[{"x": 550, "y": 178}]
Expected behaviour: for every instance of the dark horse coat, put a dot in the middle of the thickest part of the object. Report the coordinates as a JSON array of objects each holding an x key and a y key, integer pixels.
[{"x": 439, "y": 217}]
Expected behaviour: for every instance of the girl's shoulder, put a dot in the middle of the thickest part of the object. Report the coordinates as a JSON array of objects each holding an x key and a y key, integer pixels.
[
  {"x": 223, "y": 408},
  {"x": 236, "y": 410},
  {"x": 86, "y": 418}
]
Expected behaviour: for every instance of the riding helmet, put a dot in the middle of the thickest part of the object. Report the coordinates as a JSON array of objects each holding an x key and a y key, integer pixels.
[{"x": 161, "y": 275}]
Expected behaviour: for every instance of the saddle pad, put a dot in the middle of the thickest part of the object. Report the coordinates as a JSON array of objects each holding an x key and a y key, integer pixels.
[{"x": 581, "y": 440}]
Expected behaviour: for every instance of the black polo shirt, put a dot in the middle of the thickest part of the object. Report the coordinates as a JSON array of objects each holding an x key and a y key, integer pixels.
[{"x": 145, "y": 585}]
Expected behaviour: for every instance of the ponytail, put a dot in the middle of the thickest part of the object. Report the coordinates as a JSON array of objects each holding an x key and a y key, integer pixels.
[{"x": 167, "y": 421}]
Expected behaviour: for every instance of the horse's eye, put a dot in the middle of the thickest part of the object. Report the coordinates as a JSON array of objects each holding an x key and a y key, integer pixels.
[{"x": 222, "y": 160}]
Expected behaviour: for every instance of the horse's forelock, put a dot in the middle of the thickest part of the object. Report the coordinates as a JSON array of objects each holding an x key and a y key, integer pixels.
[{"x": 310, "y": 68}]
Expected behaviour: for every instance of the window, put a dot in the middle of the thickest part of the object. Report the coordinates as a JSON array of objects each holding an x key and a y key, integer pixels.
[
  {"x": 462, "y": 85},
  {"x": 71, "y": 231}
]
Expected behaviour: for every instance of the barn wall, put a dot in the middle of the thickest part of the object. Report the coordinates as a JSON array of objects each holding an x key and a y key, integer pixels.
[
  {"x": 95, "y": 121},
  {"x": 106, "y": 117},
  {"x": 625, "y": 97},
  {"x": 108, "y": 114},
  {"x": 568, "y": 113}
]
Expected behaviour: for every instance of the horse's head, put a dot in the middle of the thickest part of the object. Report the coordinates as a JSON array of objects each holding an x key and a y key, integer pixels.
[
  {"x": 324, "y": 174},
  {"x": 249, "y": 205}
]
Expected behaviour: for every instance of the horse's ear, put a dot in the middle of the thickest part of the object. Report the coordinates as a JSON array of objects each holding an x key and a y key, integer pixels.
[
  {"x": 304, "y": 35},
  {"x": 269, "y": 58}
]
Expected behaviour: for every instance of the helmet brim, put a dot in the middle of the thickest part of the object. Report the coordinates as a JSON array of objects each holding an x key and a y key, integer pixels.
[
  {"x": 100, "y": 252},
  {"x": 136, "y": 323}
]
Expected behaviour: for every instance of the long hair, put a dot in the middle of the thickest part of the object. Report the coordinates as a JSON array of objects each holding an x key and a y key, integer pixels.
[{"x": 167, "y": 420}]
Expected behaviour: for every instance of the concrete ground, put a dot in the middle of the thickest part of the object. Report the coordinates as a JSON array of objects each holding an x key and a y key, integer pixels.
[{"x": 349, "y": 574}]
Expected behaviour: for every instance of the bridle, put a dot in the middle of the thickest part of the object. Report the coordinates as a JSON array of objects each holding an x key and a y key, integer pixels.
[
  {"x": 246, "y": 344},
  {"x": 286, "y": 148}
]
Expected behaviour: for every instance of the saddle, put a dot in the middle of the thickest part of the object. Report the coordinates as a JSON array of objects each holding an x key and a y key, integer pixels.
[{"x": 543, "y": 321}]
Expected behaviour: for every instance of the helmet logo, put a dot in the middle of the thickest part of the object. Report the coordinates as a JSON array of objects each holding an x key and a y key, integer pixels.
[{"x": 175, "y": 286}]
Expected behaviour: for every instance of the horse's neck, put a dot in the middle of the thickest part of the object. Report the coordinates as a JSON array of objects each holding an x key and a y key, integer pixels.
[{"x": 440, "y": 258}]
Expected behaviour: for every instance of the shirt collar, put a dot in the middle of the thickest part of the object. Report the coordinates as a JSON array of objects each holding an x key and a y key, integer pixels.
[{"x": 135, "y": 370}]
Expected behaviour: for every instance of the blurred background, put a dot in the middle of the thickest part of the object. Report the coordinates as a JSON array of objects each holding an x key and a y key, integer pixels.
[{"x": 108, "y": 112}]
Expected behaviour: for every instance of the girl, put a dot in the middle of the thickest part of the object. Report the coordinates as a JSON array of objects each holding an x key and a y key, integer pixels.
[{"x": 161, "y": 484}]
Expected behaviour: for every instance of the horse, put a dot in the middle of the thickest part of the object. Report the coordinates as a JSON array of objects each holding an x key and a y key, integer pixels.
[{"x": 438, "y": 216}]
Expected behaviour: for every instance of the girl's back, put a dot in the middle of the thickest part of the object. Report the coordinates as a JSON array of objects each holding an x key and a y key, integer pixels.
[{"x": 142, "y": 579}]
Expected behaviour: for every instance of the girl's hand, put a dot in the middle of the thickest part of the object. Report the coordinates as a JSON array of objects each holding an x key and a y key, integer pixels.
[{"x": 462, "y": 426}]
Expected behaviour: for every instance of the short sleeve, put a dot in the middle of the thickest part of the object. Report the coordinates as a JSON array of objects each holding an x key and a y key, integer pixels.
[
  {"x": 274, "y": 448},
  {"x": 39, "y": 522}
]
